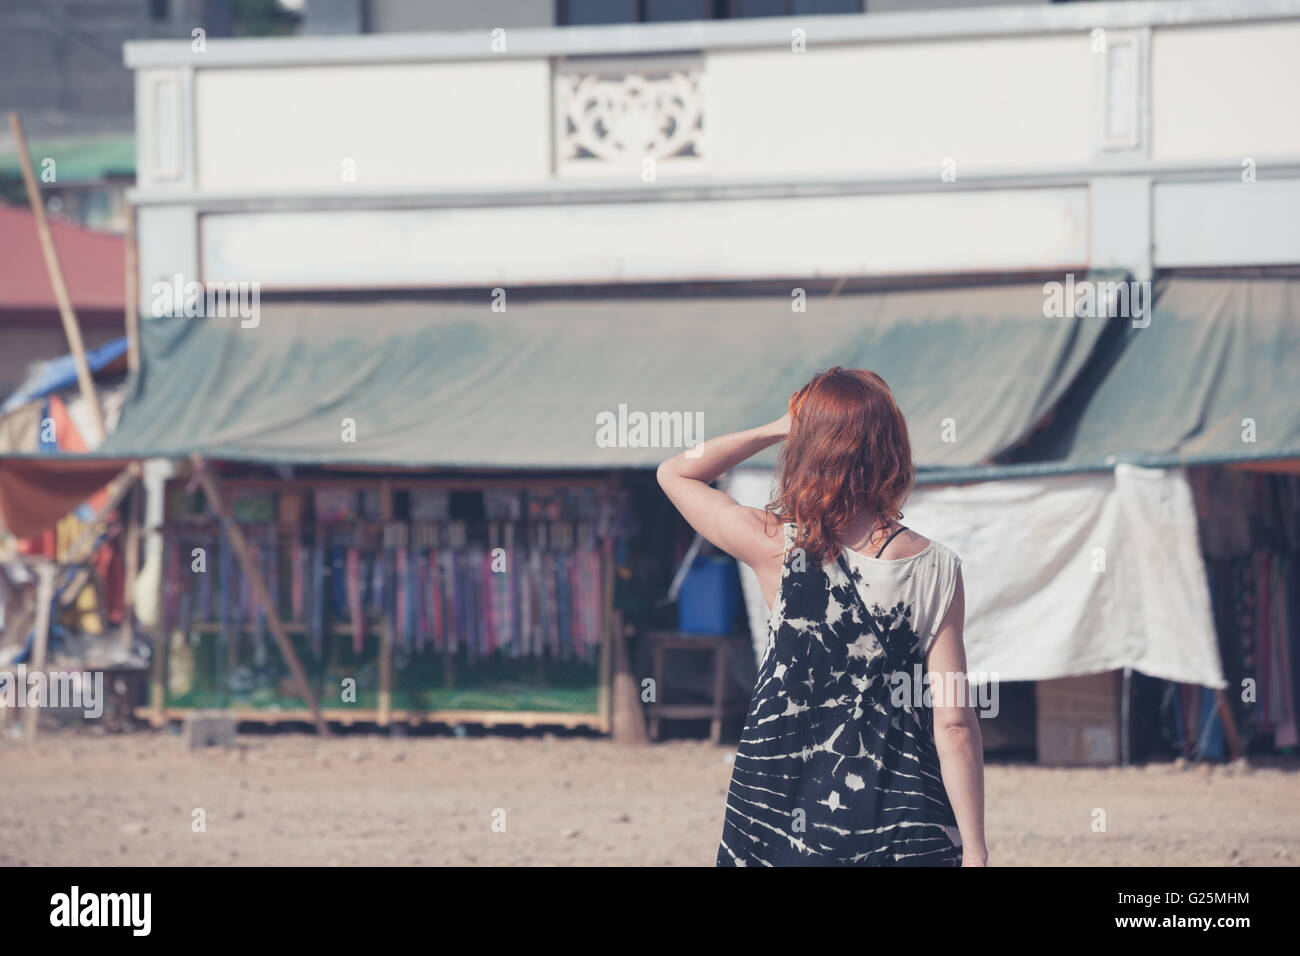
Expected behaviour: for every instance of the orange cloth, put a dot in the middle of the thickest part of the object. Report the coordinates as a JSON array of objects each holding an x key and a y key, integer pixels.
[{"x": 36, "y": 493}]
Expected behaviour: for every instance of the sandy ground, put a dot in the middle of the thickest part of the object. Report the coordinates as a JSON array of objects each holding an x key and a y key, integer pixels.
[{"x": 80, "y": 799}]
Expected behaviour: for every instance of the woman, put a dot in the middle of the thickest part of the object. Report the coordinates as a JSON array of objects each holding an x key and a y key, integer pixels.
[{"x": 843, "y": 760}]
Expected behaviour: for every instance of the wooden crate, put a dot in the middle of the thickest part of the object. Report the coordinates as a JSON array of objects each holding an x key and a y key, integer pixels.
[{"x": 1079, "y": 720}]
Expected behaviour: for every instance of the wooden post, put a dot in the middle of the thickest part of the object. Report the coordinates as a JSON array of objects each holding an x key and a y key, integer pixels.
[
  {"x": 44, "y": 602},
  {"x": 70, "y": 326},
  {"x": 18, "y": 622},
  {"x": 153, "y": 487},
  {"x": 158, "y": 682},
  {"x": 629, "y": 718},
  {"x": 1124, "y": 706},
  {"x": 131, "y": 558},
  {"x": 132, "y": 294},
  {"x": 385, "y": 622},
  {"x": 1230, "y": 731},
  {"x": 721, "y": 666},
  {"x": 212, "y": 489},
  {"x": 605, "y": 667}
]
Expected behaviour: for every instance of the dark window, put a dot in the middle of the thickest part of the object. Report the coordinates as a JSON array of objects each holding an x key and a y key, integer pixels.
[
  {"x": 591, "y": 12},
  {"x": 760, "y": 8},
  {"x": 158, "y": 9},
  {"x": 657, "y": 11},
  {"x": 799, "y": 7},
  {"x": 788, "y": 8}
]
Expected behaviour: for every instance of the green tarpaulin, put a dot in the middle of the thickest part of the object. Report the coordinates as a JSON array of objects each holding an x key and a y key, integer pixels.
[
  {"x": 1214, "y": 377},
  {"x": 408, "y": 383}
]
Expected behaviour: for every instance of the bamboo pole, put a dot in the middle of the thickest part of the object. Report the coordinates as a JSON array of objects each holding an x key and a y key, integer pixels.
[
  {"x": 212, "y": 489},
  {"x": 132, "y": 294},
  {"x": 70, "y": 326}
]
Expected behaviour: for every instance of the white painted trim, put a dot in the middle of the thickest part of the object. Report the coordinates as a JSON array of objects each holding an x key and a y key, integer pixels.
[
  {"x": 1226, "y": 224},
  {"x": 813, "y": 237},
  {"x": 703, "y": 35},
  {"x": 563, "y": 192},
  {"x": 170, "y": 134},
  {"x": 189, "y": 142}
]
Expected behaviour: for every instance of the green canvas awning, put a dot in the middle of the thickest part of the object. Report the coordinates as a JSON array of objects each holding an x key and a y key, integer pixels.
[
  {"x": 459, "y": 385},
  {"x": 1215, "y": 377}
]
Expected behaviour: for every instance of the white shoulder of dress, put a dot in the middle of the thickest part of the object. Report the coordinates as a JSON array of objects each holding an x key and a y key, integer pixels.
[{"x": 946, "y": 555}]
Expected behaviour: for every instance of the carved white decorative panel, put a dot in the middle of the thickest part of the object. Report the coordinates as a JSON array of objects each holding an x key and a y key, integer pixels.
[
  {"x": 1122, "y": 99},
  {"x": 642, "y": 118},
  {"x": 162, "y": 114}
]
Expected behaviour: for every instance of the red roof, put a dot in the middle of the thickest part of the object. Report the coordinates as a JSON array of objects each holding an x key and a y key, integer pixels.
[{"x": 94, "y": 265}]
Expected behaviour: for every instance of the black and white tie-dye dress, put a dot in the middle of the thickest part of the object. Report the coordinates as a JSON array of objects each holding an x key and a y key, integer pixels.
[{"x": 836, "y": 765}]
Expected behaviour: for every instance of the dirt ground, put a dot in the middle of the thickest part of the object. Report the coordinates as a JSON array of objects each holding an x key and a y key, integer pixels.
[{"x": 80, "y": 799}]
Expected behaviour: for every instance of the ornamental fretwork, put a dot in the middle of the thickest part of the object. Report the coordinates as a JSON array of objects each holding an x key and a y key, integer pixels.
[{"x": 612, "y": 117}]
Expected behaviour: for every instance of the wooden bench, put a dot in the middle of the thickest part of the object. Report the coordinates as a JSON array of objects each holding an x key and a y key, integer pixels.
[{"x": 720, "y": 646}]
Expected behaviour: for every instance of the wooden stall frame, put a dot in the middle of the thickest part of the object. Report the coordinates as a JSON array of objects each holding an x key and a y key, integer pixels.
[
  {"x": 413, "y": 718},
  {"x": 212, "y": 489},
  {"x": 600, "y": 721}
]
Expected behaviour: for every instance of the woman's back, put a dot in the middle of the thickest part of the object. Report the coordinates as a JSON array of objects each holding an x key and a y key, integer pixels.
[
  {"x": 835, "y": 766},
  {"x": 922, "y": 583},
  {"x": 840, "y": 759}
]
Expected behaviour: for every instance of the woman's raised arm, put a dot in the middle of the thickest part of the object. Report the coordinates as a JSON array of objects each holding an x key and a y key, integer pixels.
[{"x": 744, "y": 533}]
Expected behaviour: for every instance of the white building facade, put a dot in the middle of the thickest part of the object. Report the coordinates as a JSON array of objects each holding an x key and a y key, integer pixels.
[{"x": 1127, "y": 137}]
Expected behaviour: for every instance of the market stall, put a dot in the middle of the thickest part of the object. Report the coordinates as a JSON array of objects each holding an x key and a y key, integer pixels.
[{"x": 408, "y": 599}]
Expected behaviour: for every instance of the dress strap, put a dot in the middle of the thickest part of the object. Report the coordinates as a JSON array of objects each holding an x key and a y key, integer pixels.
[{"x": 901, "y": 529}]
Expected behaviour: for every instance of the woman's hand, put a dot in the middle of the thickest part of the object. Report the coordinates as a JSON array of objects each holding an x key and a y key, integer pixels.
[{"x": 780, "y": 428}]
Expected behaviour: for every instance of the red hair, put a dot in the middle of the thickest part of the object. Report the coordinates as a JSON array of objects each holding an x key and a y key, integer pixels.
[{"x": 847, "y": 453}]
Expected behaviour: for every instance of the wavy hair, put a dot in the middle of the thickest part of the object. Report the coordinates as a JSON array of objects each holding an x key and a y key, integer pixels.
[{"x": 847, "y": 453}]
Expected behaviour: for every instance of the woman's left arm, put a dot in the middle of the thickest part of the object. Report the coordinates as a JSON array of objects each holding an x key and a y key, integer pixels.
[
  {"x": 957, "y": 735},
  {"x": 741, "y": 532}
]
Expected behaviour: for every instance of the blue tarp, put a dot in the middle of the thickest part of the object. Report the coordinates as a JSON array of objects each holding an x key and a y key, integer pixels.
[{"x": 60, "y": 373}]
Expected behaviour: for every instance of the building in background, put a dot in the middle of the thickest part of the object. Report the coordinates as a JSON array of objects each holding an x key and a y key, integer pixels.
[
  {"x": 414, "y": 16},
  {"x": 93, "y": 264},
  {"x": 61, "y": 69},
  {"x": 470, "y": 245},
  {"x": 983, "y": 142}
]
